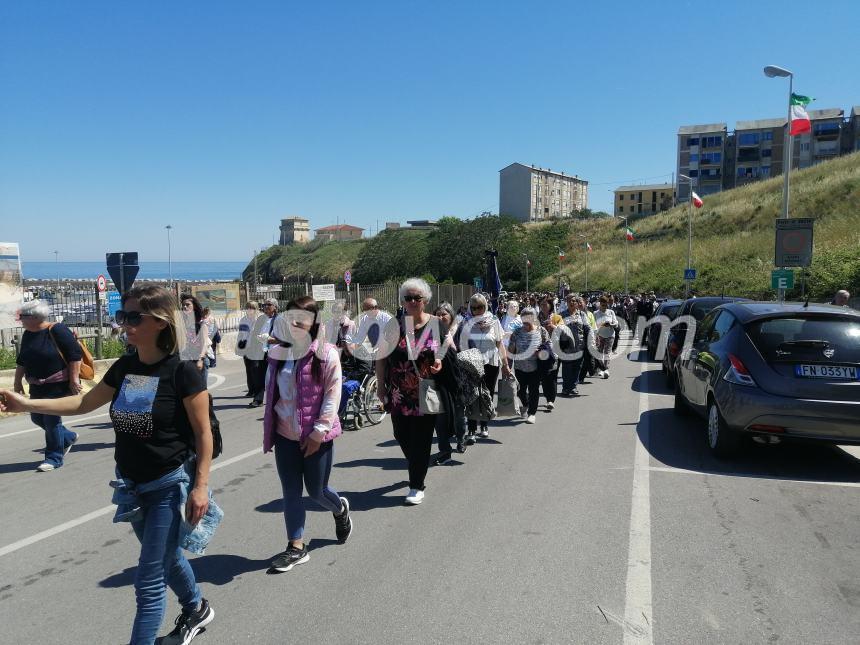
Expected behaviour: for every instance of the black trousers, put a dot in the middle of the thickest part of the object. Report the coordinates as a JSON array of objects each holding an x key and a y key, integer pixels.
[
  {"x": 260, "y": 392},
  {"x": 415, "y": 437},
  {"x": 549, "y": 379},
  {"x": 529, "y": 390},
  {"x": 491, "y": 377},
  {"x": 252, "y": 375}
]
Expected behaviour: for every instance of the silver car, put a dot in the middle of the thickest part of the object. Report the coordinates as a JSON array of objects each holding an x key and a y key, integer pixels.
[{"x": 779, "y": 371}]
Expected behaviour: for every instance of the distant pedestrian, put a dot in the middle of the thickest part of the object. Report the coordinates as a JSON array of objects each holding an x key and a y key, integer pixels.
[
  {"x": 214, "y": 336},
  {"x": 264, "y": 327},
  {"x": 197, "y": 341},
  {"x": 163, "y": 450},
  {"x": 49, "y": 359},
  {"x": 606, "y": 323},
  {"x": 523, "y": 346},
  {"x": 415, "y": 353},
  {"x": 301, "y": 422},
  {"x": 841, "y": 298},
  {"x": 250, "y": 348}
]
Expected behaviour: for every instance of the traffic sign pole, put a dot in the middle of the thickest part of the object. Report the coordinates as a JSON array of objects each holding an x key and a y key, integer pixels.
[{"x": 100, "y": 284}]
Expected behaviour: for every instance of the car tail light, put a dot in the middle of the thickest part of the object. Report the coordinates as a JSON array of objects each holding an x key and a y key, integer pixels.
[
  {"x": 760, "y": 427},
  {"x": 738, "y": 373}
]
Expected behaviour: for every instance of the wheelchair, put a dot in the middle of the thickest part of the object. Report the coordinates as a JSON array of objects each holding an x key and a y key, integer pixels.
[{"x": 359, "y": 404}]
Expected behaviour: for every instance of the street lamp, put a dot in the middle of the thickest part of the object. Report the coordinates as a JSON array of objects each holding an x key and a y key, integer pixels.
[
  {"x": 169, "y": 259},
  {"x": 526, "y": 256},
  {"x": 57, "y": 266},
  {"x": 584, "y": 236},
  {"x": 772, "y": 71},
  {"x": 626, "y": 253},
  {"x": 687, "y": 281}
]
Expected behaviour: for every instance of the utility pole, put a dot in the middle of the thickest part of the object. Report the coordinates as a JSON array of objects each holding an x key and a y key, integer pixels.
[
  {"x": 169, "y": 259},
  {"x": 57, "y": 266}
]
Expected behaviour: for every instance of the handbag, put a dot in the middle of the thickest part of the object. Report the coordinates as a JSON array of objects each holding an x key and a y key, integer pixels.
[
  {"x": 509, "y": 403},
  {"x": 429, "y": 400},
  {"x": 88, "y": 371}
]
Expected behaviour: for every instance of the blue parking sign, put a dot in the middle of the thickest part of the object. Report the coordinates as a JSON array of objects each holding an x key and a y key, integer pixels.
[{"x": 113, "y": 301}]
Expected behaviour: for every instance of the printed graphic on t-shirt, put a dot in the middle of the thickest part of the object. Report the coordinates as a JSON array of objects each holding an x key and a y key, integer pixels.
[{"x": 132, "y": 411}]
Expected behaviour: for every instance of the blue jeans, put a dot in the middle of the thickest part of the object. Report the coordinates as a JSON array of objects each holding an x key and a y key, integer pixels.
[
  {"x": 161, "y": 562},
  {"x": 294, "y": 469},
  {"x": 570, "y": 374},
  {"x": 57, "y": 437}
]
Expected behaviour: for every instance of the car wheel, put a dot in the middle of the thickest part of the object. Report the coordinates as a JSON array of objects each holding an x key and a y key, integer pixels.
[
  {"x": 722, "y": 441},
  {"x": 681, "y": 407}
]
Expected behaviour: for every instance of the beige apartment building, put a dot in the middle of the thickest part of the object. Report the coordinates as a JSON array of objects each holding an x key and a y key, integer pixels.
[
  {"x": 701, "y": 153},
  {"x": 647, "y": 199},
  {"x": 338, "y": 233},
  {"x": 295, "y": 230},
  {"x": 533, "y": 194}
]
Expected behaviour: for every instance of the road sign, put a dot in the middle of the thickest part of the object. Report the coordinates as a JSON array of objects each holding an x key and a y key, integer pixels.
[
  {"x": 113, "y": 302},
  {"x": 324, "y": 292},
  {"x": 101, "y": 284},
  {"x": 347, "y": 277},
  {"x": 123, "y": 269},
  {"x": 793, "y": 242},
  {"x": 479, "y": 283},
  {"x": 782, "y": 279},
  {"x": 689, "y": 274}
]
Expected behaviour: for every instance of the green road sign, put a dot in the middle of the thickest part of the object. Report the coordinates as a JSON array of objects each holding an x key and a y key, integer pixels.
[{"x": 782, "y": 279}]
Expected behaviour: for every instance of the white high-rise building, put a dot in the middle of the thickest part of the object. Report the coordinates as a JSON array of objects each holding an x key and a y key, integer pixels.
[{"x": 532, "y": 194}]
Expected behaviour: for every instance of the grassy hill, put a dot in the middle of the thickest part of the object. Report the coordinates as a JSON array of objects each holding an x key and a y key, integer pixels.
[
  {"x": 733, "y": 239},
  {"x": 733, "y": 245}
]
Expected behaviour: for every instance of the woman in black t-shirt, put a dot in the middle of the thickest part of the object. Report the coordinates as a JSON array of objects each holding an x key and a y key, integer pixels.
[
  {"x": 49, "y": 359},
  {"x": 160, "y": 413}
]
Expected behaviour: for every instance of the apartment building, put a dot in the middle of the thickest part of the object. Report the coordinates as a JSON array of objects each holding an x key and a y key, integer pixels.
[
  {"x": 338, "y": 233},
  {"x": 755, "y": 151},
  {"x": 854, "y": 139},
  {"x": 295, "y": 230},
  {"x": 701, "y": 157},
  {"x": 534, "y": 194},
  {"x": 646, "y": 200}
]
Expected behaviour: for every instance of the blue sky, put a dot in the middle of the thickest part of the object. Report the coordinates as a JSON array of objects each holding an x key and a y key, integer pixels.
[{"x": 220, "y": 118}]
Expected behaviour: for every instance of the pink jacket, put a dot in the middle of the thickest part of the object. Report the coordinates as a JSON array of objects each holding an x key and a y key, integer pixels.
[{"x": 309, "y": 396}]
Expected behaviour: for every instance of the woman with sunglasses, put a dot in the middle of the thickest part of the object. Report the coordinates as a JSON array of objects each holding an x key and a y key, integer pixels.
[
  {"x": 414, "y": 351},
  {"x": 49, "y": 359},
  {"x": 163, "y": 450},
  {"x": 197, "y": 341},
  {"x": 300, "y": 423}
]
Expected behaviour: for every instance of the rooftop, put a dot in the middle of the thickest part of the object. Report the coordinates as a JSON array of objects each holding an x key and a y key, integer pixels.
[
  {"x": 760, "y": 124},
  {"x": 624, "y": 189},
  {"x": 828, "y": 113},
  {"x": 339, "y": 227},
  {"x": 701, "y": 129},
  {"x": 547, "y": 171}
]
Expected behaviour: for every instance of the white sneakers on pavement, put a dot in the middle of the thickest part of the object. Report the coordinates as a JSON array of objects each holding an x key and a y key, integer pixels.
[
  {"x": 605, "y": 374},
  {"x": 530, "y": 419},
  {"x": 550, "y": 406},
  {"x": 415, "y": 497},
  {"x": 45, "y": 467}
]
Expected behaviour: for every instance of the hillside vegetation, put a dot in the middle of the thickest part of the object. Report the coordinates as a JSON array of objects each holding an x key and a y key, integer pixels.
[{"x": 733, "y": 245}]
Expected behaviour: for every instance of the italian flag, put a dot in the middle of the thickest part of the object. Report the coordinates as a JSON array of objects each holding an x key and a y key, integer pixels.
[
  {"x": 697, "y": 201},
  {"x": 799, "y": 118},
  {"x": 628, "y": 232}
]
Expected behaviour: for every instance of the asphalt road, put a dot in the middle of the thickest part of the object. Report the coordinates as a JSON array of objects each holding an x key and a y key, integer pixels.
[{"x": 606, "y": 522}]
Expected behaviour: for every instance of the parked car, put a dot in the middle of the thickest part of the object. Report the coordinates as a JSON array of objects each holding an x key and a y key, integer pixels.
[
  {"x": 698, "y": 308},
  {"x": 774, "y": 370},
  {"x": 657, "y": 330}
]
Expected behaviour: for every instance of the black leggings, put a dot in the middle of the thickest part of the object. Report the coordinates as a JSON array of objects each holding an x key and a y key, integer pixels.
[
  {"x": 491, "y": 377},
  {"x": 415, "y": 437}
]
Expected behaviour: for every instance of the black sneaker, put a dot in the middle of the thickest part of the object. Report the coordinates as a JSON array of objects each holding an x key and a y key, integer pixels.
[
  {"x": 442, "y": 459},
  {"x": 343, "y": 522},
  {"x": 189, "y": 624},
  {"x": 461, "y": 447},
  {"x": 285, "y": 561},
  {"x": 470, "y": 440}
]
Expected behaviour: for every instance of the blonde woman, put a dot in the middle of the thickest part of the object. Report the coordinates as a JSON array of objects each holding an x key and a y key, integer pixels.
[{"x": 160, "y": 413}]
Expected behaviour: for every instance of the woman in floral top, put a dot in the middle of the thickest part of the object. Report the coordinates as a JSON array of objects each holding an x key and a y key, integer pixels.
[{"x": 414, "y": 344}]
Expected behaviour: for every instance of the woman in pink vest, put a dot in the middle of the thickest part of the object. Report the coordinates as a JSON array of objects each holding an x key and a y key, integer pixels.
[{"x": 300, "y": 422}]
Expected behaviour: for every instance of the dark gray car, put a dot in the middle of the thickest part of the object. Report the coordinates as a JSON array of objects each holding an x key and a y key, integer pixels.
[{"x": 789, "y": 371}]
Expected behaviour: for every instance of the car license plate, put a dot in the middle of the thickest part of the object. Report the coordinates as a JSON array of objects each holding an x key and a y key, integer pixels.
[{"x": 839, "y": 372}]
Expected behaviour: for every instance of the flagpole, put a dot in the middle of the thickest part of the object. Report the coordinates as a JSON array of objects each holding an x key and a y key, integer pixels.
[{"x": 789, "y": 145}]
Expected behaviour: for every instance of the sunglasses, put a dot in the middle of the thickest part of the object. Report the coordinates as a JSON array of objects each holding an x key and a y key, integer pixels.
[
  {"x": 130, "y": 318},
  {"x": 413, "y": 298}
]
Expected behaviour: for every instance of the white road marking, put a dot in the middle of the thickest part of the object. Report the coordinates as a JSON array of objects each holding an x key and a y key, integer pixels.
[
  {"x": 684, "y": 471},
  {"x": 219, "y": 380},
  {"x": 83, "y": 519},
  {"x": 638, "y": 617}
]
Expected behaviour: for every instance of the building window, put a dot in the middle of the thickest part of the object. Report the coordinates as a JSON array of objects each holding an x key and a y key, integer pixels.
[
  {"x": 692, "y": 141},
  {"x": 765, "y": 171},
  {"x": 826, "y": 128},
  {"x": 631, "y": 209},
  {"x": 766, "y": 152},
  {"x": 767, "y": 136},
  {"x": 712, "y": 157},
  {"x": 693, "y": 173},
  {"x": 694, "y": 157},
  {"x": 712, "y": 142},
  {"x": 748, "y": 139},
  {"x": 804, "y": 147},
  {"x": 621, "y": 197}
]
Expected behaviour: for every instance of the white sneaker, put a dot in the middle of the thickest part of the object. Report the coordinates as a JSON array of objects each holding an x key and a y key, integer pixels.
[
  {"x": 45, "y": 467},
  {"x": 415, "y": 497},
  {"x": 530, "y": 419},
  {"x": 600, "y": 374},
  {"x": 605, "y": 373},
  {"x": 550, "y": 406}
]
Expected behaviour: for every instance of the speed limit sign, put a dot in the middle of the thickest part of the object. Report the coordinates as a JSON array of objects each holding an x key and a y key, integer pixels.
[{"x": 101, "y": 284}]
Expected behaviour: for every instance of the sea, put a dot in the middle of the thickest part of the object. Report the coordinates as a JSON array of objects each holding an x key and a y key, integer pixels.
[{"x": 206, "y": 271}]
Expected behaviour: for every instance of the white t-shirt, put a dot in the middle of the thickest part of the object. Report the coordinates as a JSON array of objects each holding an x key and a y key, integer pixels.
[
  {"x": 484, "y": 340},
  {"x": 601, "y": 317}
]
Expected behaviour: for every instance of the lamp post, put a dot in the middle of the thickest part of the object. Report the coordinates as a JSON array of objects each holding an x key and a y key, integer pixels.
[
  {"x": 772, "y": 71},
  {"x": 585, "y": 237},
  {"x": 626, "y": 253},
  {"x": 526, "y": 256},
  {"x": 169, "y": 259},
  {"x": 689, "y": 235},
  {"x": 57, "y": 266}
]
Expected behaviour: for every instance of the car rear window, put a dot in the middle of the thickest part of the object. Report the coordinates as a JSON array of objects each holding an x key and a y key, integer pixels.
[
  {"x": 670, "y": 311},
  {"x": 807, "y": 339},
  {"x": 701, "y": 309}
]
